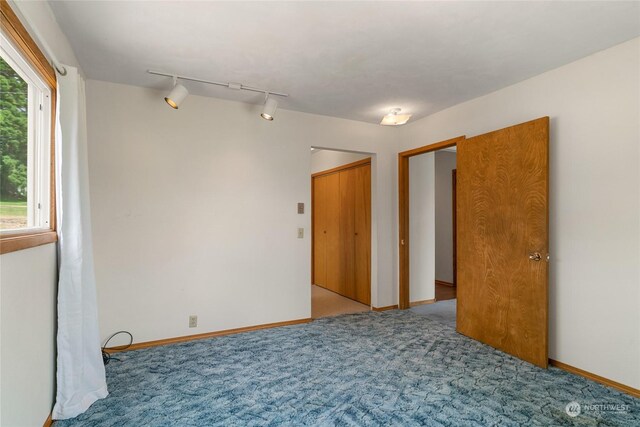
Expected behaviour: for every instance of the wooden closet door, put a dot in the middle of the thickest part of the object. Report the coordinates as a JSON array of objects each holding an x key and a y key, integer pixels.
[
  {"x": 347, "y": 233},
  {"x": 320, "y": 191},
  {"x": 332, "y": 228},
  {"x": 362, "y": 226}
]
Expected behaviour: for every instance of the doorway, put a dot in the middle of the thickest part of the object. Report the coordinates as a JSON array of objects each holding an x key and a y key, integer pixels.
[
  {"x": 431, "y": 230},
  {"x": 404, "y": 218},
  {"x": 445, "y": 224},
  {"x": 341, "y": 232}
]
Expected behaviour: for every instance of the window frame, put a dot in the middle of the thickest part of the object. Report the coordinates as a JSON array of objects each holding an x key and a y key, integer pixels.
[{"x": 16, "y": 33}]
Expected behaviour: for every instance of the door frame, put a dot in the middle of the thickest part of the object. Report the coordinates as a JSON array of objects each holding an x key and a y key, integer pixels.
[
  {"x": 357, "y": 163},
  {"x": 403, "y": 210}
]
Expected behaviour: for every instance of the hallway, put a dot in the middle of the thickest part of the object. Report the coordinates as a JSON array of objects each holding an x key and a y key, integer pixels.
[{"x": 325, "y": 303}]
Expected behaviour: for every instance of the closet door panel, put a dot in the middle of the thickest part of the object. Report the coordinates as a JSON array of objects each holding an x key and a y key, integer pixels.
[
  {"x": 362, "y": 226},
  {"x": 332, "y": 226},
  {"x": 320, "y": 191},
  {"x": 347, "y": 233}
]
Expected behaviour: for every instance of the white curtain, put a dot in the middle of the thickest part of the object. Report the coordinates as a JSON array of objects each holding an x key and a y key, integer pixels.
[{"x": 80, "y": 371}]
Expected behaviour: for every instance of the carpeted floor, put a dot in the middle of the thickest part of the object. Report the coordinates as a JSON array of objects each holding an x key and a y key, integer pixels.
[
  {"x": 441, "y": 311},
  {"x": 391, "y": 368}
]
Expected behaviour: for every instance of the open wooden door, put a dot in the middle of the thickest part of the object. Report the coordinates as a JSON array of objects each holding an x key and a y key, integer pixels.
[{"x": 502, "y": 216}]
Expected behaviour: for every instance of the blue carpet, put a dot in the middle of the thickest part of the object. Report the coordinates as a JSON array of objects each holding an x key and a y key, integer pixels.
[
  {"x": 391, "y": 368},
  {"x": 441, "y": 311}
]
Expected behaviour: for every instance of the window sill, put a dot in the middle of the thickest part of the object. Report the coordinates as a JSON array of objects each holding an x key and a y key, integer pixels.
[{"x": 31, "y": 239}]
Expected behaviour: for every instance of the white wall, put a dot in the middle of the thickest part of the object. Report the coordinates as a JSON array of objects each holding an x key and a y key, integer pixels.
[
  {"x": 27, "y": 331},
  {"x": 322, "y": 160},
  {"x": 422, "y": 225},
  {"x": 28, "y": 280},
  {"x": 445, "y": 162},
  {"x": 40, "y": 22},
  {"x": 194, "y": 210},
  {"x": 594, "y": 106}
]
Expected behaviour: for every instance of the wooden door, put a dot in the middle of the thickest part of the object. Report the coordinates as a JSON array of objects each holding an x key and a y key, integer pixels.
[
  {"x": 347, "y": 233},
  {"x": 502, "y": 201},
  {"x": 362, "y": 228},
  {"x": 332, "y": 227},
  {"x": 319, "y": 230},
  {"x": 341, "y": 225}
]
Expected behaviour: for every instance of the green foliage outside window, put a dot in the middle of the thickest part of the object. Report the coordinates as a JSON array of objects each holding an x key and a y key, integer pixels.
[{"x": 13, "y": 134}]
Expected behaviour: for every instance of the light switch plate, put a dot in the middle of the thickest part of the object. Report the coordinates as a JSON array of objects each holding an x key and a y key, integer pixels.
[
  {"x": 300, "y": 233},
  {"x": 300, "y": 208}
]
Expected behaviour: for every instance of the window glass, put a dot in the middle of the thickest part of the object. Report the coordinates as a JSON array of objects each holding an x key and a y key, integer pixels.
[
  {"x": 25, "y": 144},
  {"x": 14, "y": 95}
]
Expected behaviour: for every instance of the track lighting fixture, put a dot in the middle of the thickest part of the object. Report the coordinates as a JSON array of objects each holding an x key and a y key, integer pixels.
[
  {"x": 177, "y": 94},
  {"x": 395, "y": 119},
  {"x": 269, "y": 108}
]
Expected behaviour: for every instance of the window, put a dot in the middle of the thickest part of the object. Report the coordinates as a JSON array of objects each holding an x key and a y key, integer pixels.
[{"x": 26, "y": 151}]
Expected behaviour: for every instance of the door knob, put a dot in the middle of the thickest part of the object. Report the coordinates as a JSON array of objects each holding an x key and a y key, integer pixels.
[{"x": 535, "y": 256}]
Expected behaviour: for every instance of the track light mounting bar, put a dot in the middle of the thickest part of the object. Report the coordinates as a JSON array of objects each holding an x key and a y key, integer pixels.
[{"x": 211, "y": 82}]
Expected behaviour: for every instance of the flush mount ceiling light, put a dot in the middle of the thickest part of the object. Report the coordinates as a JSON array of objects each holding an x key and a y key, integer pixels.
[
  {"x": 269, "y": 108},
  {"x": 179, "y": 92},
  {"x": 395, "y": 119}
]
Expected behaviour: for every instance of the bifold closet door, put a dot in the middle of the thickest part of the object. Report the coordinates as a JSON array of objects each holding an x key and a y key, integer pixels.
[
  {"x": 362, "y": 226},
  {"x": 319, "y": 231},
  {"x": 326, "y": 232},
  {"x": 332, "y": 227},
  {"x": 347, "y": 233},
  {"x": 342, "y": 232}
]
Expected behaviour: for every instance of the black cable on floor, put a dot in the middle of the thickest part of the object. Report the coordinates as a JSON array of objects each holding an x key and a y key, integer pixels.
[{"x": 106, "y": 356}]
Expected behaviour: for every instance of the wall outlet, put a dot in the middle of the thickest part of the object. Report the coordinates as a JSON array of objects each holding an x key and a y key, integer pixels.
[
  {"x": 300, "y": 233},
  {"x": 193, "y": 321}
]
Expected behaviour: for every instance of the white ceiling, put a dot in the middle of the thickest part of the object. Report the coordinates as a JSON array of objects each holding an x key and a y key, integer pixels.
[{"x": 354, "y": 60}]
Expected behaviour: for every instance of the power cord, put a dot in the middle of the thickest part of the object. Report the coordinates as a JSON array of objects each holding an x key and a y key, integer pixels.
[{"x": 106, "y": 356}]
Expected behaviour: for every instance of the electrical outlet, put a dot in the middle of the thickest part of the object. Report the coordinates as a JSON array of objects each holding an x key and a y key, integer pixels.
[
  {"x": 193, "y": 321},
  {"x": 300, "y": 233}
]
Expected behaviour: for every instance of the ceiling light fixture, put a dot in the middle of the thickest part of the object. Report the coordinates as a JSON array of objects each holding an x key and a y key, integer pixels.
[
  {"x": 395, "y": 119},
  {"x": 269, "y": 109},
  {"x": 179, "y": 92}
]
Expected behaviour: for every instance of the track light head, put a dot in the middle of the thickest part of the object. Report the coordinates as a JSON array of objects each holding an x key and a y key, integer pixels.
[
  {"x": 176, "y": 96},
  {"x": 269, "y": 109}
]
